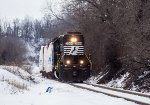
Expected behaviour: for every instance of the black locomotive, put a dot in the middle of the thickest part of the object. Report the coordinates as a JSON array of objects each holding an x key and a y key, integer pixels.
[{"x": 65, "y": 59}]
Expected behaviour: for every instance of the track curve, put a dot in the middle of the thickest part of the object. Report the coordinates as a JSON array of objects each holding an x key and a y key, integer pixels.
[{"x": 91, "y": 88}]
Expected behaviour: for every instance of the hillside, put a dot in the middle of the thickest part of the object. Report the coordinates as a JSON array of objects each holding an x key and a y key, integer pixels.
[
  {"x": 17, "y": 88},
  {"x": 14, "y": 80}
]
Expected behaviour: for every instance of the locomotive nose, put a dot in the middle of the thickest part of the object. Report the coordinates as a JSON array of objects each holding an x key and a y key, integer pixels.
[{"x": 75, "y": 73}]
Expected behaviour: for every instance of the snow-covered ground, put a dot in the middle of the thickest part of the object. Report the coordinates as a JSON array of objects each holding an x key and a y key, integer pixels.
[
  {"x": 13, "y": 80},
  {"x": 35, "y": 93},
  {"x": 121, "y": 94},
  {"x": 119, "y": 82}
]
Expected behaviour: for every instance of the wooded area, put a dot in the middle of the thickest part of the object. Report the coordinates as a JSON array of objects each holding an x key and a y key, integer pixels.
[{"x": 117, "y": 34}]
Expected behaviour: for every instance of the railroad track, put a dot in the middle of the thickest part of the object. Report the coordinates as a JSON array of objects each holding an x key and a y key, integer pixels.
[
  {"x": 139, "y": 98},
  {"x": 124, "y": 91}
]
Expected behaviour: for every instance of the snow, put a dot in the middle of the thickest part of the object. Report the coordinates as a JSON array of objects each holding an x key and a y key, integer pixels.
[
  {"x": 13, "y": 80},
  {"x": 95, "y": 79},
  {"x": 119, "y": 82},
  {"x": 35, "y": 69},
  {"x": 131, "y": 96},
  {"x": 5, "y": 76},
  {"x": 16, "y": 70},
  {"x": 61, "y": 94},
  {"x": 6, "y": 89},
  {"x": 92, "y": 80}
]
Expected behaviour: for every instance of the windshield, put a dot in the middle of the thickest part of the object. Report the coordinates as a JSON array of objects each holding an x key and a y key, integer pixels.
[{"x": 73, "y": 40}]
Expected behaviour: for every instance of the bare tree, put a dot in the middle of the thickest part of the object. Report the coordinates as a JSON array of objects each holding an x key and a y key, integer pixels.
[
  {"x": 27, "y": 29},
  {"x": 16, "y": 28},
  {"x": 38, "y": 30},
  {"x": 12, "y": 51}
]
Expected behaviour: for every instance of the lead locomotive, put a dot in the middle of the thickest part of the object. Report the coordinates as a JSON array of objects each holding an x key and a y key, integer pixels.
[{"x": 64, "y": 58}]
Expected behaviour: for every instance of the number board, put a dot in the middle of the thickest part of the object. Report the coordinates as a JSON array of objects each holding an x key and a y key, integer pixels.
[{"x": 73, "y": 43}]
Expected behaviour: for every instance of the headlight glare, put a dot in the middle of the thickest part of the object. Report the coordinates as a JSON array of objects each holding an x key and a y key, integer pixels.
[
  {"x": 81, "y": 62},
  {"x": 73, "y": 39},
  {"x": 68, "y": 62}
]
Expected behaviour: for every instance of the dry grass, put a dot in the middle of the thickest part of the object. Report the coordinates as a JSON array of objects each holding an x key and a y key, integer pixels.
[
  {"x": 14, "y": 83},
  {"x": 17, "y": 85}
]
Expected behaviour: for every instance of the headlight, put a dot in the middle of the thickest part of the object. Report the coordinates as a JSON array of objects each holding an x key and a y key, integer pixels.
[
  {"x": 81, "y": 62},
  {"x": 68, "y": 62},
  {"x": 73, "y": 39}
]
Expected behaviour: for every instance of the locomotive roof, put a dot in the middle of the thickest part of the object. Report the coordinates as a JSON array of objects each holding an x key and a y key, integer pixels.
[
  {"x": 68, "y": 33},
  {"x": 77, "y": 33}
]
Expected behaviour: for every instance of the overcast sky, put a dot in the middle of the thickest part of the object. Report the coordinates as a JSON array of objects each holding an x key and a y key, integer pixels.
[{"x": 11, "y": 9}]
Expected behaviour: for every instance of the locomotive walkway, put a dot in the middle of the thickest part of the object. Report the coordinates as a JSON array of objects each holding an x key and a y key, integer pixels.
[{"x": 139, "y": 98}]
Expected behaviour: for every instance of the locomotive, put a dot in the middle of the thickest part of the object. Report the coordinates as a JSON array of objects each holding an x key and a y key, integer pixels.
[{"x": 64, "y": 58}]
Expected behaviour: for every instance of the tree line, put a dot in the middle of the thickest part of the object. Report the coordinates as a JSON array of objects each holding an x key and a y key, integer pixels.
[
  {"x": 117, "y": 33},
  {"x": 14, "y": 36}
]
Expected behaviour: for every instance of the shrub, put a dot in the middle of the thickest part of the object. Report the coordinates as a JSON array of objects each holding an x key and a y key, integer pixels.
[{"x": 12, "y": 51}]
